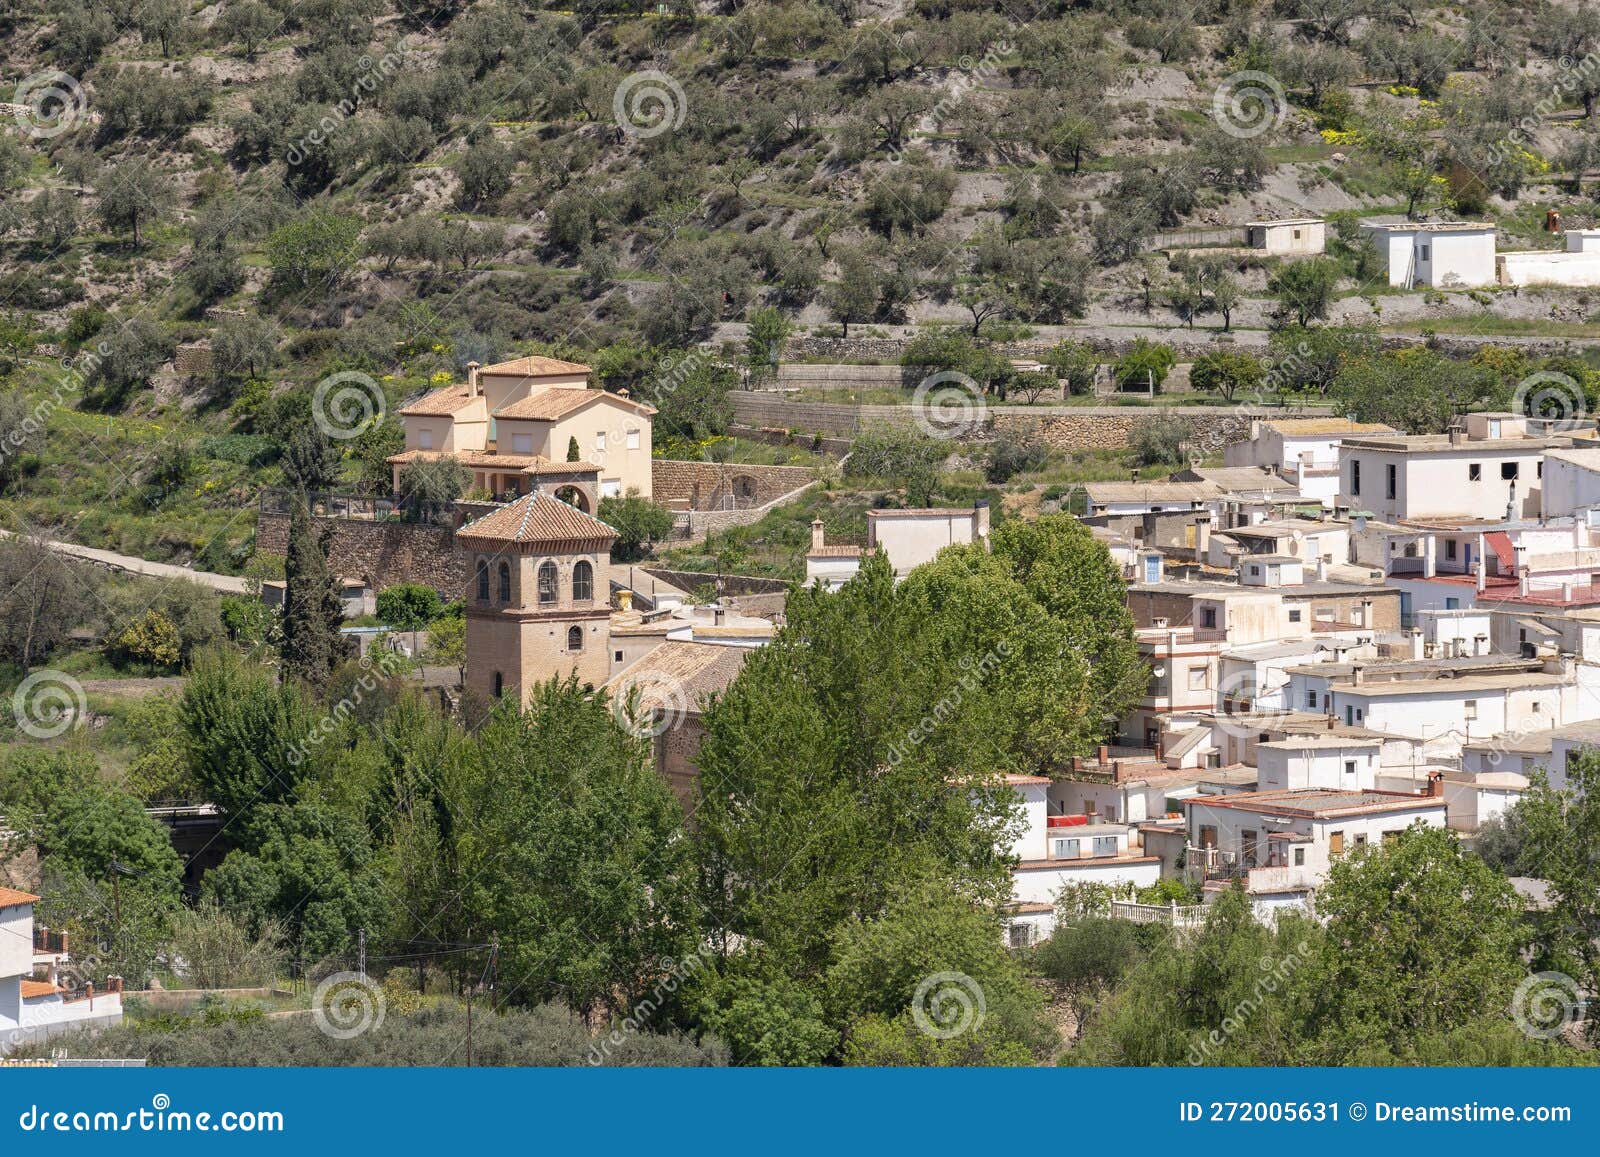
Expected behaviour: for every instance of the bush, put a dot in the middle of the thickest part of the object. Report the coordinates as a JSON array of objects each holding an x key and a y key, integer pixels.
[
  {"x": 1010, "y": 456},
  {"x": 1094, "y": 950},
  {"x": 1159, "y": 440},
  {"x": 150, "y": 639},
  {"x": 1144, "y": 366}
]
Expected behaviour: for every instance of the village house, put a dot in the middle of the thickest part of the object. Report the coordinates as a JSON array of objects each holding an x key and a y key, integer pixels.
[
  {"x": 34, "y": 1003},
  {"x": 1303, "y": 451},
  {"x": 1291, "y": 236},
  {"x": 515, "y": 427},
  {"x": 1436, "y": 254},
  {"x": 908, "y": 538}
]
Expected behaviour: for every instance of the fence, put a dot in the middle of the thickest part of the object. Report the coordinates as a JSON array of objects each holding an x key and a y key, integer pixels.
[
  {"x": 357, "y": 507},
  {"x": 1173, "y": 914}
]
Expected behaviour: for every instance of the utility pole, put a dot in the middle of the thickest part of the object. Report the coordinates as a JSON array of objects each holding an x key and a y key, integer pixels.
[
  {"x": 469, "y": 1026},
  {"x": 494, "y": 971},
  {"x": 361, "y": 953}
]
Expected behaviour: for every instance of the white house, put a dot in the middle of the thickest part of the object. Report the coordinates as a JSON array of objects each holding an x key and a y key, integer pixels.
[
  {"x": 1439, "y": 254},
  {"x": 1304, "y": 451},
  {"x": 33, "y": 1005},
  {"x": 1564, "y": 741},
  {"x": 1488, "y": 468},
  {"x": 1293, "y": 235},
  {"x": 1571, "y": 482},
  {"x": 908, "y": 537},
  {"x": 1578, "y": 264},
  {"x": 1298, "y": 762}
]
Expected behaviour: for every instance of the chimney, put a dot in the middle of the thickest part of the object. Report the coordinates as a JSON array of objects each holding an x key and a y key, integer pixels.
[
  {"x": 1358, "y": 674},
  {"x": 1104, "y": 755},
  {"x": 1480, "y": 644},
  {"x": 1202, "y": 538},
  {"x": 1333, "y": 721},
  {"x": 718, "y": 614},
  {"x": 1436, "y": 785},
  {"x": 472, "y": 379},
  {"x": 980, "y": 520},
  {"x": 1511, "y": 502},
  {"x": 816, "y": 534},
  {"x": 625, "y": 599},
  {"x": 1522, "y": 581},
  {"x": 115, "y": 983},
  {"x": 1366, "y": 612},
  {"x": 624, "y": 392}
]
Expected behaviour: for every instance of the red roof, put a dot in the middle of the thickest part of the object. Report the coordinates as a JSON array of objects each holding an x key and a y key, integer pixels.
[
  {"x": 1500, "y": 542},
  {"x": 33, "y": 989},
  {"x": 10, "y": 898}
]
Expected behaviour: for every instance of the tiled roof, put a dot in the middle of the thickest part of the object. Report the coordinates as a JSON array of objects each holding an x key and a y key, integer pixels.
[
  {"x": 10, "y": 897},
  {"x": 679, "y": 674},
  {"x": 834, "y": 551},
  {"x": 32, "y": 989},
  {"x": 535, "y": 366},
  {"x": 535, "y": 518},
  {"x": 444, "y": 401},
  {"x": 555, "y": 402}
]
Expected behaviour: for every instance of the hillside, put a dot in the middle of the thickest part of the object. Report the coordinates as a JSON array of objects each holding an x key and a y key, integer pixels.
[{"x": 209, "y": 209}]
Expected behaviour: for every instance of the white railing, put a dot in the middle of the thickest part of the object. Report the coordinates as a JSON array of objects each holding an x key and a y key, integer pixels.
[{"x": 1175, "y": 914}]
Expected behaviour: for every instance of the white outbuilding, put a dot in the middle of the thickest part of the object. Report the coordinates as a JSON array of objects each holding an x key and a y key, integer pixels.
[{"x": 1436, "y": 254}]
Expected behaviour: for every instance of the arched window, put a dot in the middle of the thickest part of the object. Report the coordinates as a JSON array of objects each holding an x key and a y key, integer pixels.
[
  {"x": 547, "y": 583},
  {"x": 499, "y": 684},
  {"x": 574, "y": 638},
  {"x": 582, "y": 582},
  {"x": 483, "y": 580},
  {"x": 505, "y": 582}
]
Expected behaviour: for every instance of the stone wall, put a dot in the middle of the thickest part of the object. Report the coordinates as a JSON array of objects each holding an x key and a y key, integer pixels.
[
  {"x": 723, "y": 486},
  {"x": 379, "y": 553},
  {"x": 1065, "y": 427}
]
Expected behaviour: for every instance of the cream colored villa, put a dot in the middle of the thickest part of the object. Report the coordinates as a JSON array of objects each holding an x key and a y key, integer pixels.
[
  {"x": 538, "y": 596},
  {"x": 513, "y": 426}
]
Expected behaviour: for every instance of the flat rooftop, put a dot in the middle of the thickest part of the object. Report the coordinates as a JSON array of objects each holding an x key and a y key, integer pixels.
[{"x": 1320, "y": 803}]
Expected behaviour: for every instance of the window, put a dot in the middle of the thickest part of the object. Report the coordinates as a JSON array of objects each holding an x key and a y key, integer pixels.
[
  {"x": 582, "y": 582},
  {"x": 633, "y": 439},
  {"x": 505, "y": 582},
  {"x": 1470, "y": 708},
  {"x": 1355, "y": 476},
  {"x": 1021, "y": 935},
  {"x": 1390, "y": 477},
  {"x": 1335, "y": 843},
  {"x": 499, "y": 684},
  {"x": 1299, "y": 857},
  {"x": 1208, "y": 617},
  {"x": 1208, "y": 836},
  {"x": 1349, "y": 767},
  {"x": 1198, "y": 680},
  {"x": 425, "y": 439},
  {"x": 1537, "y": 708},
  {"x": 1390, "y": 836},
  {"x": 1425, "y": 253},
  {"x": 1451, "y": 603},
  {"x": 574, "y": 638},
  {"x": 1064, "y": 847},
  {"x": 1255, "y": 571},
  {"x": 1295, "y": 615},
  {"x": 483, "y": 581},
  {"x": 1474, "y": 471},
  {"x": 1105, "y": 845},
  {"x": 1361, "y": 840},
  {"x": 600, "y": 441},
  {"x": 1311, "y": 699},
  {"x": 616, "y": 656},
  {"x": 522, "y": 443},
  {"x": 1297, "y": 234},
  {"x": 1508, "y": 471},
  {"x": 547, "y": 583},
  {"x": 1450, "y": 548}
]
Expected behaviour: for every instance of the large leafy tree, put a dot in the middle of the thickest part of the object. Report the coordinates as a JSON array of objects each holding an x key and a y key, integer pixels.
[
  {"x": 574, "y": 853},
  {"x": 1415, "y": 390}
]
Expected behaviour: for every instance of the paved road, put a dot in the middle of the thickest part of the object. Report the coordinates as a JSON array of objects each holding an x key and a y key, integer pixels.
[{"x": 225, "y": 584}]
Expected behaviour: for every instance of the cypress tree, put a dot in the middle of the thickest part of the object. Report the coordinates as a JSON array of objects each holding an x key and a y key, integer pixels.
[
  {"x": 573, "y": 454},
  {"x": 312, "y": 613}
]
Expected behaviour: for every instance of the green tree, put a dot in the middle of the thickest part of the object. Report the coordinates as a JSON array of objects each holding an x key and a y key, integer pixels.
[
  {"x": 447, "y": 643},
  {"x": 901, "y": 455},
  {"x": 485, "y": 172},
  {"x": 1075, "y": 364},
  {"x": 312, "y": 612},
  {"x": 573, "y": 453},
  {"x": 769, "y": 330},
  {"x": 1227, "y": 373},
  {"x": 431, "y": 489},
  {"x": 589, "y": 897},
  {"x": 133, "y": 195},
  {"x": 639, "y": 524},
  {"x": 1143, "y": 366},
  {"x": 409, "y": 607},
  {"x": 318, "y": 248},
  {"x": 1416, "y": 390},
  {"x": 1304, "y": 289}
]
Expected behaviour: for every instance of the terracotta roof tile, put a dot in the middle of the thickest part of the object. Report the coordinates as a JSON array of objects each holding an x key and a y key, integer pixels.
[
  {"x": 31, "y": 989},
  {"x": 444, "y": 401},
  {"x": 534, "y": 366},
  {"x": 535, "y": 518},
  {"x": 555, "y": 402},
  {"x": 523, "y": 463},
  {"x": 679, "y": 674},
  {"x": 10, "y": 897}
]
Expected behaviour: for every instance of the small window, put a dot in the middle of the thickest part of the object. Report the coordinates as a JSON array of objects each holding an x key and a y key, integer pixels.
[
  {"x": 1311, "y": 699},
  {"x": 1508, "y": 471},
  {"x": 575, "y": 638},
  {"x": 1390, "y": 480},
  {"x": 1450, "y": 548},
  {"x": 1336, "y": 843},
  {"x": 1425, "y": 253},
  {"x": 1255, "y": 571},
  {"x": 1538, "y": 708},
  {"x": 616, "y": 656},
  {"x": 1197, "y": 679},
  {"x": 522, "y": 443},
  {"x": 1064, "y": 848},
  {"x": 1021, "y": 935},
  {"x": 582, "y": 582},
  {"x": 499, "y": 684},
  {"x": 425, "y": 439},
  {"x": 547, "y": 583},
  {"x": 1299, "y": 857},
  {"x": 1474, "y": 471},
  {"x": 600, "y": 441},
  {"x": 1105, "y": 845},
  {"x": 1349, "y": 767},
  {"x": 1208, "y": 617},
  {"x": 505, "y": 582},
  {"x": 1390, "y": 837},
  {"x": 1295, "y": 615},
  {"x": 1355, "y": 476},
  {"x": 1297, "y": 234},
  {"x": 633, "y": 439},
  {"x": 483, "y": 581},
  {"x": 1470, "y": 708}
]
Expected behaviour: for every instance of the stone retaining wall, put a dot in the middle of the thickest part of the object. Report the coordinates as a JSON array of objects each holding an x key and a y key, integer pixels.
[
  {"x": 381, "y": 554},
  {"x": 722, "y": 486}
]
